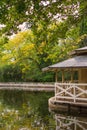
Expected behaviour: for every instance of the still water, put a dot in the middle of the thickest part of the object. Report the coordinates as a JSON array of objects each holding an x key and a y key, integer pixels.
[{"x": 21, "y": 110}]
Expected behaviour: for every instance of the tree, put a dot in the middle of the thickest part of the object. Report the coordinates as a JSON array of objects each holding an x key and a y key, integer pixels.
[
  {"x": 13, "y": 13},
  {"x": 55, "y": 29},
  {"x": 29, "y": 51}
]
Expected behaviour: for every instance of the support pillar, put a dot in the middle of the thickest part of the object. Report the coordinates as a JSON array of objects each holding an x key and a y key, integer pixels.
[
  {"x": 56, "y": 76},
  {"x": 62, "y": 76},
  {"x": 72, "y": 74}
]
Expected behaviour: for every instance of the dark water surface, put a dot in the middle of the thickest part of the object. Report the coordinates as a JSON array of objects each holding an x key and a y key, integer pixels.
[{"x": 21, "y": 110}]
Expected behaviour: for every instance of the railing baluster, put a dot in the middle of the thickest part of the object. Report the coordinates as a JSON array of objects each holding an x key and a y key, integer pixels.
[
  {"x": 76, "y": 95},
  {"x": 55, "y": 90}
]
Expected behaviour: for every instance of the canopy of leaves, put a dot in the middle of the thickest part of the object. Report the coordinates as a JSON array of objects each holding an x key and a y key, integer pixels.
[
  {"x": 54, "y": 28},
  {"x": 15, "y": 12},
  {"x": 29, "y": 51}
]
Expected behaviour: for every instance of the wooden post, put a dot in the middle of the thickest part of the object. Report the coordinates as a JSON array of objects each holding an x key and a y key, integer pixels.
[
  {"x": 72, "y": 73},
  {"x": 83, "y": 79},
  {"x": 72, "y": 90},
  {"x": 62, "y": 76},
  {"x": 56, "y": 76},
  {"x": 63, "y": 81}
]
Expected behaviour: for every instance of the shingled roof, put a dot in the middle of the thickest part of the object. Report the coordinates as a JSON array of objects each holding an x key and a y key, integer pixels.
[
  {"x": 79, "y": 61},
  {"x": 79, "y": 51}
]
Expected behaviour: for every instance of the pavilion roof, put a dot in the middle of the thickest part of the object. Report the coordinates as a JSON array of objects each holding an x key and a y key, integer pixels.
[
  {"x": 75, "y": 62},
  {"x": 80, "y": 51}
]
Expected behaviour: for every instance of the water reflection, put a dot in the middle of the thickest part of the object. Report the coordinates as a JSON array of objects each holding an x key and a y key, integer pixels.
[
  {"x": 25, "y": 111},
  {"x": 70, "y": 123},
  {"x": 29, "y": 111}
]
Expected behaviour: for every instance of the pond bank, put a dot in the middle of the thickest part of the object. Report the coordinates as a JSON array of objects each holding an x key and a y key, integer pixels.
[{"x": 48, "y": 87}]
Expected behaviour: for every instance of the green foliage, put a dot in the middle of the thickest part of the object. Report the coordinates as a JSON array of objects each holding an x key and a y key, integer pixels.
[
  {"x": 82, "y": 41},
  {"x": 13, "y": 13},
  {"x": 10, "y": 73},
  {"x": 56, "y": 28},
  {"x": 29, "y": 51}
]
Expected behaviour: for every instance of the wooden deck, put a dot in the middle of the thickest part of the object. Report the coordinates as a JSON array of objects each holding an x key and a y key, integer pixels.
[
  {"x": 67, "y": 106},
  {"x": 48, "y": 87}
]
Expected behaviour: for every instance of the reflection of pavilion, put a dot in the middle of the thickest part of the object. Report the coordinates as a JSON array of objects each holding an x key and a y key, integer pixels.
[
  {"x": 70, "y": 123},
  {"x": 72, "y": 93}
]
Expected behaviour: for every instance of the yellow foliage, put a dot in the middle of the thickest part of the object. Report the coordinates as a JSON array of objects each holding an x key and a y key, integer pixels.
[
  {"x": 20, "y": 37},
  {"x": 27, "y": 49},
  {"x": 6, "y": 57},
  {"x": 41, "y": 47},
  {"x": 18, "y": 40},
  {"x": 53, "y": 26}
]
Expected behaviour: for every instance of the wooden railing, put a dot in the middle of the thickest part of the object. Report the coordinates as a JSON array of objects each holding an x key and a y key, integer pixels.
[
  {"x": 72, "y": 92},
  {"x": 28, "y": 86}
]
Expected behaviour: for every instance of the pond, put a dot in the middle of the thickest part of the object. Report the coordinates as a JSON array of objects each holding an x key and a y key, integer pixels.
[{"x": 23, "y": 110}]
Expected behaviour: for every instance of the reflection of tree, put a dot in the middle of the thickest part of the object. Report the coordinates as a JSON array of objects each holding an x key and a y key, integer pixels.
[
  {"x": 40, "y": 104},
  {"x": 70, "y": 123},
  {"x": 13, "y": 98},
  {"x": 29, "y": 109}
]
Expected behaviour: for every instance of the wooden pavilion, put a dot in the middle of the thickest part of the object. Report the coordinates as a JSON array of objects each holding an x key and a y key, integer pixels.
[{"x": 72, "y": 93}]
